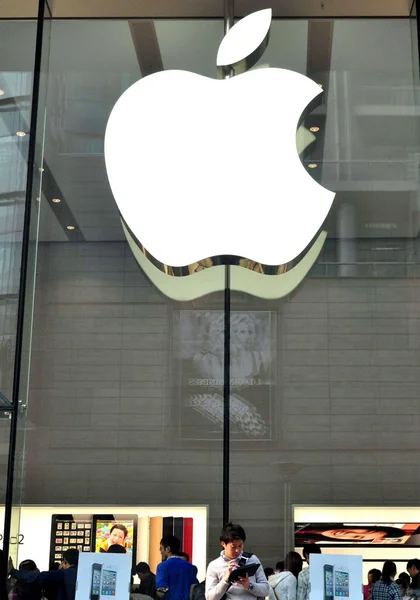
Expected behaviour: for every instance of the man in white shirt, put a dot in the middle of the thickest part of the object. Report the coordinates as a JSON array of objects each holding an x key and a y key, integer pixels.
[
  {"x": 247, "y": 587},
  {"x": 303, "y": 588}
]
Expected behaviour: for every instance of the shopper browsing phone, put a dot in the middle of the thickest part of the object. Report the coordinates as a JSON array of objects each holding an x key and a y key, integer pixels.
[{"x": 235, "y": 573}]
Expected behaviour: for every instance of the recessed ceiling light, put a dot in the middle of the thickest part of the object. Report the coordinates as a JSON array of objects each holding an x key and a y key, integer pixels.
[
  {"x": 38, "y": 198},
  {"x": 312, "y": 166},
  {"x": 20, "y": 133},
  {"x": 42, "y": 169},
  {"x": 56, "y": 200},
  {"x": 314, "y": 129},
  {"x": 380, "y": 249},
  {"x": 1, "y": 92},
  {"x": 320, "y": 85},
  {"x": 71, "y": 227}
]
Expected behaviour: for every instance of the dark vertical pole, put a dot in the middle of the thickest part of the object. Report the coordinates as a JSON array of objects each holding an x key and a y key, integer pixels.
[
  {"x": 416, "y": 11},
  {"x": 229, "y": 17},
  {"x": 22, "y": 280},
  {"x": 229, "y": 12},
  {"x": 226, "y": 399}
]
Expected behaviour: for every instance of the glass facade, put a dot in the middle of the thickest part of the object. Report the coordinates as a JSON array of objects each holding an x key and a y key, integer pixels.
[{"x": 118, "y": 397}]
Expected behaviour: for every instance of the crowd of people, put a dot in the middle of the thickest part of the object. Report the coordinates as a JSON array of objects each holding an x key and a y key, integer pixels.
[
  {"x": 290, "y": 581},
  {"x": 233, "y": 575}
]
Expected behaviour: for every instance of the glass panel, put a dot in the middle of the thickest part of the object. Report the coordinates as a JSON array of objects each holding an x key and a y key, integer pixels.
[
  {"x": 4, "y": 450},
  {"x": 333, "y": 366},
  {"x": 4, "y": 454},
  {"x": 33, "y": 105},
  {"x": 122, "y": 409},
  {"x": 17, "y": 46}
]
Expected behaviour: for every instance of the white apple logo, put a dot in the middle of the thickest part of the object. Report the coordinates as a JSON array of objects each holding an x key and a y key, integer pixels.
[{"x": 205, "y": 167}]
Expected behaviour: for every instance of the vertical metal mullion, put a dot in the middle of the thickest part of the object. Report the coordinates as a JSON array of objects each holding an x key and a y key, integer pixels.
[
  {"x": 226, "y": 399},
  {"x": 416, "y": 5},
  {"x": 229, "y": 14},
  {"x": 228, "y": 23},
  {"x": 22, "y": 279}
]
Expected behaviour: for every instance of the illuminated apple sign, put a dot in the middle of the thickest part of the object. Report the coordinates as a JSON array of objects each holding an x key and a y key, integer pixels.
[{"x": 204, "y": 167}]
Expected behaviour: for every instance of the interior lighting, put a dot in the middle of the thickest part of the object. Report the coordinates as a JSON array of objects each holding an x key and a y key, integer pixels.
[
  {"x": 312, "y": 166},
  {"x": 314, "y": 129},
  {"x": 71, "y": 227},
  {"x": 20, "y": 133},
  {"x": 1, "y": 92},
  {"x": 56, "y": 200},
  {"x": 391, "y": 248},
  {"x": 380, "y": 225}
]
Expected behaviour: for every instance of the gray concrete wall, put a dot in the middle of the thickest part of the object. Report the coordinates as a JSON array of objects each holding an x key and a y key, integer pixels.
[{"x": 103, "y": 401}]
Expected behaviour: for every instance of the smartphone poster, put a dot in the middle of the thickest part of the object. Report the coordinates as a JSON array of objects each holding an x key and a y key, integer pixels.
[
  {"x": 335, "y": 577},
  {"x": 103, "y": 576}
]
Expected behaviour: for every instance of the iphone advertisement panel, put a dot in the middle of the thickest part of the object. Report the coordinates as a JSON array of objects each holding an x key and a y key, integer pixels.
[
  {"x": 102, "y": 576},
  {"x": 335, "y": 577}
]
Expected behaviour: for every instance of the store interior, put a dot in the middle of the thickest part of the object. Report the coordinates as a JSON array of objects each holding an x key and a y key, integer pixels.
[{"x": 43, "y": 529}]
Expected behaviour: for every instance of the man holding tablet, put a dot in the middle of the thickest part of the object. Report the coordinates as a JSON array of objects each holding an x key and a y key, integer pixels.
[{"x": 235, "y": 574}]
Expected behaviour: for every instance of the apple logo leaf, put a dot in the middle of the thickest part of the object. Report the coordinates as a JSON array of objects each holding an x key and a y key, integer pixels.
[{"x": 245, "y": 43}]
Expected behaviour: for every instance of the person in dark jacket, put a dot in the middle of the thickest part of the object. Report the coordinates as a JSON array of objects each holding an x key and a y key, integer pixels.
[
  {"x": 3, "y": 575},
  {"x": 23, "y": 590},
  {"x": 413, "y": 568},
  {"x": 198, "y": 591},
  {"x": 147, "y": 580},
  {"x": 64, "y": 580}
]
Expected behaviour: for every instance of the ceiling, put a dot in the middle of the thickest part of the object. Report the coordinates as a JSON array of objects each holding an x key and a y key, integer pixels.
[
  {"x": 368, "y": 152},
  {"x": 205, "y": 8}
]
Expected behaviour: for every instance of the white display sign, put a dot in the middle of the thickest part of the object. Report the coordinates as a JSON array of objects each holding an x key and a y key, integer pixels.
[
  {"x": 335, "y": 576},
  {"x": 103, "y": 576}
]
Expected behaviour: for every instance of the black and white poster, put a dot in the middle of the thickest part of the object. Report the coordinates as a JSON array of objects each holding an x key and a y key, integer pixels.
[{"x": 199, "y": 372}]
